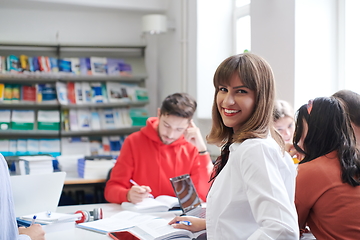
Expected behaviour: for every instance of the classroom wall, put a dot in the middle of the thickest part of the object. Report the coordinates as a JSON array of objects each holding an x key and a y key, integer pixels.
[{"x": 273, "y": 37}]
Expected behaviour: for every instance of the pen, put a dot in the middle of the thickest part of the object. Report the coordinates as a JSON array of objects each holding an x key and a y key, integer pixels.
[
  {"x": 48, "y": 214},
  {"x": 135, "y": 184},
  {"x": 187, "y": 223},
  {"x": 33, "y": 220}
]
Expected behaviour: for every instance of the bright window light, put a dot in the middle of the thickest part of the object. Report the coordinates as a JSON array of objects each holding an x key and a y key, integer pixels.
[
  {"x": 352, "y": 46},
  {"x": 240, "y": 3},
  {"x": 243, "y": 34}
]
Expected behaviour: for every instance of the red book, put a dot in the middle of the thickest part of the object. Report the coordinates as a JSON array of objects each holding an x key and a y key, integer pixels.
[
  {"x": 28, "y": 93},
  {"x": 71, "y": 92}
]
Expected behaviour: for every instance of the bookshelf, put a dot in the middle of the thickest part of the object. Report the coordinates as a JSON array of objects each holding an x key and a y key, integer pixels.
[{"x": 132, "y": 55}]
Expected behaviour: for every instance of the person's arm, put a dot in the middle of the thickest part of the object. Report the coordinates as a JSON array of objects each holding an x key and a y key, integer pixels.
[
  {"x": 193, "y": 135},
  {"x": 117, "y": 187},
  {"x": 203, "y": 166},
  {"x": 304, "y": 194},
  {"x": 200, "y": 174},
  {"x": 34, "y": 232},
  {"x": 271, "y": 204}
]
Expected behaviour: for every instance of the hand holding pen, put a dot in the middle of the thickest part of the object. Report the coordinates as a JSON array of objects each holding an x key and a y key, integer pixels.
[
  {"x": 137, "y": 193},
  {"x": 193, "y": 224},
  {"x": 33, "y": 220}
]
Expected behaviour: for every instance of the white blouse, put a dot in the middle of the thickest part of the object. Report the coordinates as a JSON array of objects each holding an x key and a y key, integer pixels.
[{"x": 253, "y": 196}]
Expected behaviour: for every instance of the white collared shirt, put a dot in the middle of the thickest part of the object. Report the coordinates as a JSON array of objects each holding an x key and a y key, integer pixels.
[{"x": 253, "y": 196}]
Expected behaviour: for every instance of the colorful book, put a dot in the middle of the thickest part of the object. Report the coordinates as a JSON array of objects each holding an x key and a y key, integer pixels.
[
  {"x": 12, "y": 63},
  {"x": 107, "y": 118},
  {"x": 85, "y": 66},
  {"x": 86, "y": 92},
  {"x": 79, "y": 97},
  {"x": 28, "y": 93},
  {"x": 48, "y": 120},
  {"x": 64, "y": 65},
  {"x": 96, "y": 93},
  {"x": 65, "y": 120},
  {"x": 24, "y": 63},
  {"x": 95, "y": 120},
  {"x": 73, "y": 120},
  {"x": 114, "y": 66},
  {"x": 44, "y": 63},
  {"x": 84, "y": 119},
  {"x": 98, "y": 65},
  {"x": 22, "y": 119},
  {"x": 125, "y": 69},
  {"x": 5, "y": 119},
  {"x": 7, "y": 92},
  {"x": 62, "y": 93},
  {"x": 117, "y": 92},
  {"x": 54, "y": 67},
  {"x": 36, "y": 65},
  {"x": 2, "y": 91},
  {"x": 75, "y": 65},
  {"x": 46, "y": 92},
  {"x": 2, "y": 64},
  {"x": 71, "y": 92},
  {"x": 15, "y": 93},
  {"x": 31, "y": 65}
]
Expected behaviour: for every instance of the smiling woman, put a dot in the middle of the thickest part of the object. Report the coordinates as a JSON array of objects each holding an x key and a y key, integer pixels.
[{"x": 248, "y": 197}]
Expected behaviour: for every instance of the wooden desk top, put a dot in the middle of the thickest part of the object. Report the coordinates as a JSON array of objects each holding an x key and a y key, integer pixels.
[{"x": 73, "y": 181}]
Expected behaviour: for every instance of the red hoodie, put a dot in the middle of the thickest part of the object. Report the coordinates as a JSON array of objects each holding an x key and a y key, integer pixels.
[{"x": 148, "y": 161}]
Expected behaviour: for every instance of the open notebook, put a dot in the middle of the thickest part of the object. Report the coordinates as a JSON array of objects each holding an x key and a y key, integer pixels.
[
  {"x": 189, "y": 200},
  {"x": 37, "y": 193}
]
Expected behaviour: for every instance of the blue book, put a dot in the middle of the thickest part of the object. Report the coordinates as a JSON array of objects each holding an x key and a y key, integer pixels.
[
  {"x": 47, "y": 91},
  {"x": 35, "y": 63},
  {"x": 54, "y": 64},
  {"x": 64, "y": 65},
  {"x": 85, "y": 66}
]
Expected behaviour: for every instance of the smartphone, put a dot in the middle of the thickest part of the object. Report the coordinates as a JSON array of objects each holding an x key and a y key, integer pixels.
[{"x": 123, "y": 235}]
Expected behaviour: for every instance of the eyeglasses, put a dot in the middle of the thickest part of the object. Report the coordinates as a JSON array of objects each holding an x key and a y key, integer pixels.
[{"x": 310, "y": 105}]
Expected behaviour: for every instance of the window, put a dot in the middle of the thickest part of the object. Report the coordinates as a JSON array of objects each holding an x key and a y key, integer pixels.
[
  {"x": 243, "y": 26},
  {"x": 351, "y": 45}
]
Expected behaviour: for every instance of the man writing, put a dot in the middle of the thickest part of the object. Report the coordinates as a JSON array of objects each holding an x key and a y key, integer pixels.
[{"x": 169, "y": 145}]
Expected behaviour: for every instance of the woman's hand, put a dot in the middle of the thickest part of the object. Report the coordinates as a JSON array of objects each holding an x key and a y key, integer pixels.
[
  {"x": 35, "y": 232},
  {"x": 197, "y": 224}
]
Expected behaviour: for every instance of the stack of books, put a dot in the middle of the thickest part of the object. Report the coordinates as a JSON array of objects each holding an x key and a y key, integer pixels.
[
  {"x": 96, "y": 168},
  {"x": 29, "y": 165}
]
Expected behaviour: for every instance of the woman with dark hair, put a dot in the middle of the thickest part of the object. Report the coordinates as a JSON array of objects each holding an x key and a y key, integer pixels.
[{"x": 327, "y": 185}]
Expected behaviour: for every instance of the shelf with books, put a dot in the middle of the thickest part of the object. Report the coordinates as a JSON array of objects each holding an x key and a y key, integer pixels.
[
  {"x": 15, "y": 134},
  {"x": 52, "y": 78},
  {"x": 102, "y": 132},
  {"x": 29, "y": 105},
  {"x": 111, "y": 81},
  {"x": 104, "y": 105}
]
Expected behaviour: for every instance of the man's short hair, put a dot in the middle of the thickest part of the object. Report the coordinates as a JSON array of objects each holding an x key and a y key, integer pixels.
[
  {"x": 179, "y": 104},
  {"x": 352, "y": 103}
]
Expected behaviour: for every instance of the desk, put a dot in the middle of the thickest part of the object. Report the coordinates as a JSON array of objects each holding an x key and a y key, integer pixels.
[
  {"x": 76, "y": 181},
  {"x": 109, "y": 209}
]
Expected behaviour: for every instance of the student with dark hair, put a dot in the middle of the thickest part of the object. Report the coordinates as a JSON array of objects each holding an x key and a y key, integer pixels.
[
  {"x": 253, "y": 183},
  {"x": 9, "y": 229},
  {"x": 352, "y": 103},
  {"x": 327, "y": 185},
  {"x": 169, "y": 145}
]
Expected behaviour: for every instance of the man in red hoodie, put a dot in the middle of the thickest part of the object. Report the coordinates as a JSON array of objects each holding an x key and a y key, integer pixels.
[{"x": 169, "y": 145}]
